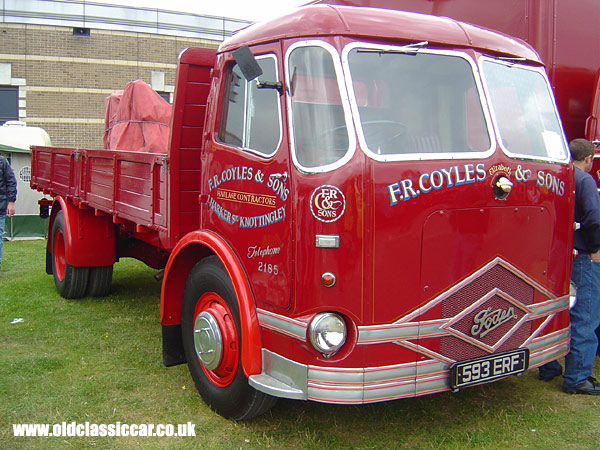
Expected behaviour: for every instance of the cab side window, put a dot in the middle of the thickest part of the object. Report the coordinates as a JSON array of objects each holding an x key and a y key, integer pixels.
[
  {"x": 319, "y": 120},
  {"x": 251, "y": 116}
]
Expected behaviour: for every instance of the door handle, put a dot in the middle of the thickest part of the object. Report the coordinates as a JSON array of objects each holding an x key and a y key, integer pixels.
[{"x": 279, "y": 176}]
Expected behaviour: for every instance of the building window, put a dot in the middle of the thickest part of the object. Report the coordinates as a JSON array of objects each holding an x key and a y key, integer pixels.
[
  {"x": 9, "y": 103},
  {"x": 84, "y": 32},
  {"x": 166, "y": 96}
]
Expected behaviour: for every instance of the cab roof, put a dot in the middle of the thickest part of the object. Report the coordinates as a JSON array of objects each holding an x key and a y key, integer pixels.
[{"x": 382, "y": 24}]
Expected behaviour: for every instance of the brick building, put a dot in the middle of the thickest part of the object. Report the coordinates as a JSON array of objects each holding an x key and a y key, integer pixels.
[{"x": 59, "y": 59}]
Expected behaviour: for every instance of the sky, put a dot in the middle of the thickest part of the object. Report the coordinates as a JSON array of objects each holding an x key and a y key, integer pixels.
[{"x": 252, "y": 10}]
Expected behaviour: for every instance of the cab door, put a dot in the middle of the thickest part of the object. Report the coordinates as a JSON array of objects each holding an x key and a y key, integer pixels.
[
  {"x": 327, "y": 193},
  {"x": 246, "y": 177}
]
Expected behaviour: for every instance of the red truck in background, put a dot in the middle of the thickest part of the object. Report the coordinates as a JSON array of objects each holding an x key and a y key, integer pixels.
[
  {"x": 356, "y": 205},
  {"x": 592, "y": 133},
  {"x": 566, "y": 35}
]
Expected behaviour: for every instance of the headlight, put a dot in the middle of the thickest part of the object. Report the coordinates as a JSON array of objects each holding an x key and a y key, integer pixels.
[{"x": 327, "y": 333}]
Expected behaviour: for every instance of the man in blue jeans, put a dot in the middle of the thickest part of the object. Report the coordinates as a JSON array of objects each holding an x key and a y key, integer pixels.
[
  {"x": 585, "y": 315},
  {"x": 8, "y": 195}
]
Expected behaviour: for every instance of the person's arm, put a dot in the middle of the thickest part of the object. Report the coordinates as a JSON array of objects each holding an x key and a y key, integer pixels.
[
  {"x": 11, "y": 189},
  {"x": 590, "y": 222},
  {"x": 10, "y": 211}
]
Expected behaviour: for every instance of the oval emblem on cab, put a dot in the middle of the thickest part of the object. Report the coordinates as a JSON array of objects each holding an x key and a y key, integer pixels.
[{"x": 327, "y": 203}]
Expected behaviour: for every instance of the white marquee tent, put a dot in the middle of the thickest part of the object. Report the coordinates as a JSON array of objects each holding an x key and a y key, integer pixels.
[{"x": 15, "y": 141}]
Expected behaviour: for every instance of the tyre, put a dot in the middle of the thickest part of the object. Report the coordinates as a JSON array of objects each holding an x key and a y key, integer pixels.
[
  {"x": 70, "y": 282},
  {"x": 210, "y": 325},
  {"x": 99, "y": 281}
]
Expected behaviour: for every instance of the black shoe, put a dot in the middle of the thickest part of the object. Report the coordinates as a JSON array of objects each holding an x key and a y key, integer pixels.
[
  {"x": 590, "y": 386},
  {"x": 549, "y": 377}
]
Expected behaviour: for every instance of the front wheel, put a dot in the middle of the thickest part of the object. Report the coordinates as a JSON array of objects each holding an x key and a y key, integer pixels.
[
  {"x": 70, "y": 282},
  {"x": 211, "y": 335}
]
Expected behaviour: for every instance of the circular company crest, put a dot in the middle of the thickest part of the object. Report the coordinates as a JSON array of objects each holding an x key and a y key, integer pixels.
[{"x": 327, "y": 203}]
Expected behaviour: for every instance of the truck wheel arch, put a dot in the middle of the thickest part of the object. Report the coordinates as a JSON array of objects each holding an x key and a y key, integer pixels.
[
  {"x": 189, "y": 250},
  {"x": 89, "y": 240}
]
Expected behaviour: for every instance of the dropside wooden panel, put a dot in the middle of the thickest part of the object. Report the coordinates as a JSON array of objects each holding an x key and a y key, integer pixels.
[
  {"x": 128, "y": 185},
  {"x": 55, "y": 170}
]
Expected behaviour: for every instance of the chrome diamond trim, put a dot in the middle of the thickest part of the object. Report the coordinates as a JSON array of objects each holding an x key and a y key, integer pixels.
[
  {"x": 424, "y": 350},
  {"x": 468, "y": 280},
  {"x": 539, "y": 329},
  {"x": 408, "y": 328},
  {"x": 477, "y": 342}
]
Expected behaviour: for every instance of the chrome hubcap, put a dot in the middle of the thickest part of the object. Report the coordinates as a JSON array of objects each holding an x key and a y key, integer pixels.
[{"x": 207, "y": 340}]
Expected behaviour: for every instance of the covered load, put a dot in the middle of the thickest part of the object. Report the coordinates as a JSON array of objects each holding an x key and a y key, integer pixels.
[{"x": 137, "y": 119}]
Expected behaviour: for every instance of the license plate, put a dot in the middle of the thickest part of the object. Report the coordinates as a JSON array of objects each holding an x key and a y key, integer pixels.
[{"x": 488, "y": 368}]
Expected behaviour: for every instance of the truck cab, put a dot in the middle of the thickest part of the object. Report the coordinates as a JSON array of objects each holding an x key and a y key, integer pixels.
[{"x": 376, "y": 182}]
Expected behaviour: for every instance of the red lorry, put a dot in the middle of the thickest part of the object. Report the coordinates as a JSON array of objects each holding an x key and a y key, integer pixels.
[{"x": 355, "y": 206}]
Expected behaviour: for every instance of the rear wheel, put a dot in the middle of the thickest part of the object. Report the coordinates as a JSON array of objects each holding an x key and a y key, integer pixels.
[
  {"x": 99, "y": 281},
  {"x": 70, "y": 282},
  {"x": 212, "y": 343}
]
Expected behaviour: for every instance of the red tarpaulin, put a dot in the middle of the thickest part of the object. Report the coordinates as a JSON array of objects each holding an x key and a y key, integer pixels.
[{"x": 137, "y": 118}]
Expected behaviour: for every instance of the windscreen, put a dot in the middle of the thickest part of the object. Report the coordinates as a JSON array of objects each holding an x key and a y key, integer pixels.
[
  {"x": 524, "y": 110},
  {"x": 417, "y": 103}
]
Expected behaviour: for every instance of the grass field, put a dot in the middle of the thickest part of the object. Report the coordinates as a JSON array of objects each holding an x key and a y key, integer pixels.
[{"x": 99, "y": 360}]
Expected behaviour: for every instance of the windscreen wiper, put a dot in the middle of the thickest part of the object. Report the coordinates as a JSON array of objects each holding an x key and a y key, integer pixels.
[
  {"x": 410, "y": 49},
  {"x": 510, "y": 60}
]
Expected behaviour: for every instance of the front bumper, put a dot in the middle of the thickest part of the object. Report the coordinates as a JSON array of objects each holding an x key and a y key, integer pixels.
[
  {"x": 282, "y": 377},
  {"x": 510, "y": 310}
]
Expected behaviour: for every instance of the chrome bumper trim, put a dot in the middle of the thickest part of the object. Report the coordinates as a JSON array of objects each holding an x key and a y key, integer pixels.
[
  {"x": 282, "y": 324},
  {"x": 549, "y": 347},
  {"x": 282, "y": 377}
]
